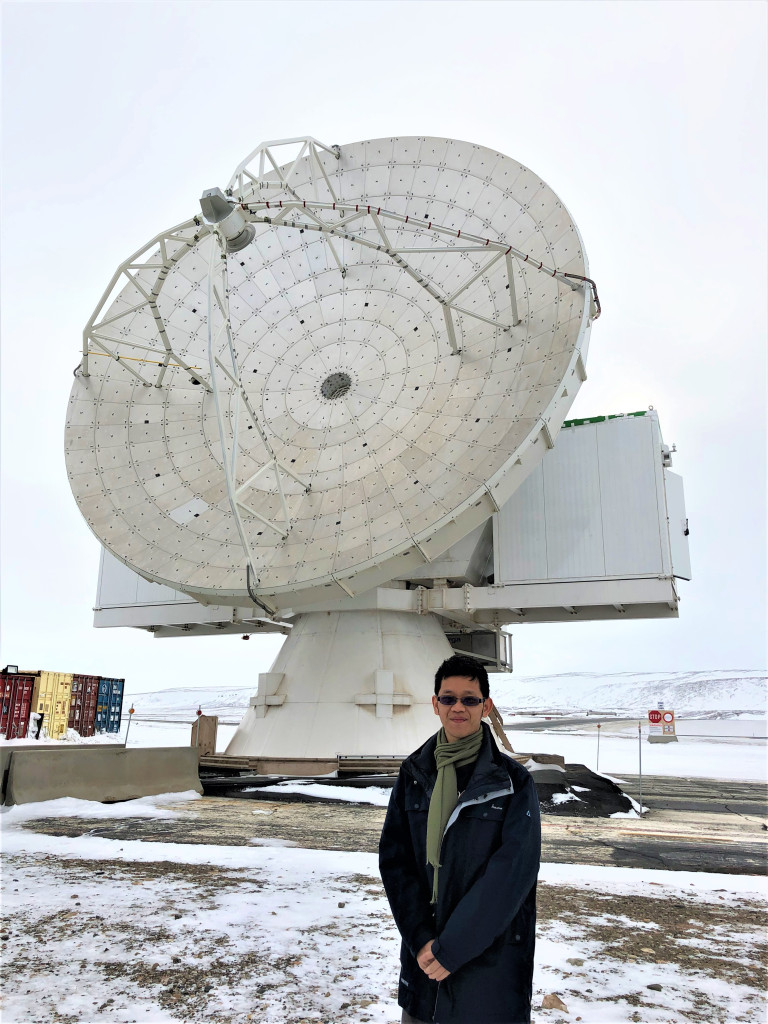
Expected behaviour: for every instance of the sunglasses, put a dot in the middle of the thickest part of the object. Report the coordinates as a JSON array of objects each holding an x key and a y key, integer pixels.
[{"x": 468, "y": 702}]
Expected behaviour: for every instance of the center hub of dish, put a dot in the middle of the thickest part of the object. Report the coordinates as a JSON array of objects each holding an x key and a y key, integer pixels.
[{"x": 336, "y": 385}]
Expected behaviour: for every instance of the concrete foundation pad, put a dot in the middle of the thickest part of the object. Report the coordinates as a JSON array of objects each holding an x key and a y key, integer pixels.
[{"x": 105, "y": 774}]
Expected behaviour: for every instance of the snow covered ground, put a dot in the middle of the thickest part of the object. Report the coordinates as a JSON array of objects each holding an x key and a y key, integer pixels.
[
  {"x": 704, "y": 750},
  {"x": 104, "y": 930}
]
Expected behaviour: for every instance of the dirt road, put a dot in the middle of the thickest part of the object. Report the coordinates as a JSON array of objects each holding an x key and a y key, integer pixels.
[{"x": 677, "y": 834}]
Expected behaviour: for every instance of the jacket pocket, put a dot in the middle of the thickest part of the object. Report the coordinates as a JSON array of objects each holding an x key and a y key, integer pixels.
[
  {"x": 415, "y": 993},
  {"x": 491, "y": 811}
]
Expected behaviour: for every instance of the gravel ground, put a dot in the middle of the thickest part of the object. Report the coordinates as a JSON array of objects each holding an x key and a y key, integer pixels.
[{"x": 159, "y": 954}]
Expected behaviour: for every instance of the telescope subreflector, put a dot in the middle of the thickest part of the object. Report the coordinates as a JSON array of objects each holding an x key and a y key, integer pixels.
[{"x": 231, "y": 224}]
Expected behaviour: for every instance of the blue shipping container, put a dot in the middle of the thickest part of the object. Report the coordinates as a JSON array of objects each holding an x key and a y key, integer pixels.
[{"x": 109, "y": 705}]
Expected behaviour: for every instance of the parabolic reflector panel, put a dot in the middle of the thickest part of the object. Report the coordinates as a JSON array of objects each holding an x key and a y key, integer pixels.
[{"x": 387, "y": 353}]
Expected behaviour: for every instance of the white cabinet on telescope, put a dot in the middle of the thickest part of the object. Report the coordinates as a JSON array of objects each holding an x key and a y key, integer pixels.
[{"x": 601, "y": 521}]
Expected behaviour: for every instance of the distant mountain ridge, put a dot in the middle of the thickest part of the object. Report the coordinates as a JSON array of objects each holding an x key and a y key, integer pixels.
[{"x": 721, "y": 693}]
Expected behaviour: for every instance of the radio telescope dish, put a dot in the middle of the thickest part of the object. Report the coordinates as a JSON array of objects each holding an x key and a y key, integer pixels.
[{"x": 348, "y": 360}]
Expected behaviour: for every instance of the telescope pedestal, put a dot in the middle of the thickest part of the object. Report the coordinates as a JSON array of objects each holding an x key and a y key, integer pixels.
[{"x": 347, "y": 682}]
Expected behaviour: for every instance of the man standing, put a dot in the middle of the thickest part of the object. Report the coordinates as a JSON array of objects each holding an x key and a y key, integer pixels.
[{"x": 459, "y": 855}]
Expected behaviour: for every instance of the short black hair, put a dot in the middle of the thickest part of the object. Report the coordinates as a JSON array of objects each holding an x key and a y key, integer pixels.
[{"x": 463, "y": 665}]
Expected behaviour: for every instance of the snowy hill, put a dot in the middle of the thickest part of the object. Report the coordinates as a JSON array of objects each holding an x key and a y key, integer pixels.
[
  {"x": 228, "y": 702},
  {"x": 723, "y": 694}
]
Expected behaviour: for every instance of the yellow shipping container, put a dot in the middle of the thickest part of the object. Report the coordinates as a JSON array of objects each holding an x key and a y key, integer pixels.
[{"x": 51, "y": 696}]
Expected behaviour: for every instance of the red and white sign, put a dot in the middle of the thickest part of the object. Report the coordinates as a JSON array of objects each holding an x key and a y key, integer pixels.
[{"x": 661, "y": 722}]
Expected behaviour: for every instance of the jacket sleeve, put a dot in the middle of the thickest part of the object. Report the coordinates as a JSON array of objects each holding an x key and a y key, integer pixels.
[
  {"x": 489, "y": 907},
  {"x": 404, "y": 880}
]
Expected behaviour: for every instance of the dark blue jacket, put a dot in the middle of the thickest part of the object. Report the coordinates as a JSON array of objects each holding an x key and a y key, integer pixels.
[{"x": 485, "y": 917}]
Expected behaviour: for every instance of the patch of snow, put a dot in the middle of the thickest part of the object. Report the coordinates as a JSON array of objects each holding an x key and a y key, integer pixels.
[
  {"x": 705, "y": 887},
  {"x": 564, "y": 798},
  {"x": 537, "y": 766},
  {"x": 71, "y": 736},
  {"x": 622, "y": 985},
  {"x": 70, "y": 807},
  {"x": 271, "y": 842},
  {"x": 627, "y": 922},
  {"x": 368, "y": 795}
]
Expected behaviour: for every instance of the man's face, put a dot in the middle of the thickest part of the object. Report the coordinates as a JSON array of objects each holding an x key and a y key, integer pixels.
[{"x": 460, "y": 721}]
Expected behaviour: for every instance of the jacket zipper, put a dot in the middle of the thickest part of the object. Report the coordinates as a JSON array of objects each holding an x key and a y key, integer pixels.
[
  {"x": 478, "y": 800},
  {"x": 469, "y": 803}
]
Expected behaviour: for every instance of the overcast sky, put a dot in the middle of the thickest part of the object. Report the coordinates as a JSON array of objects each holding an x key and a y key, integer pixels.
[{"x": 649, "y": 121}]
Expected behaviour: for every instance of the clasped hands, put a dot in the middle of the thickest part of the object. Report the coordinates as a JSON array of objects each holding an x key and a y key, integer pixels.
[{"x": 427, "y": 962}]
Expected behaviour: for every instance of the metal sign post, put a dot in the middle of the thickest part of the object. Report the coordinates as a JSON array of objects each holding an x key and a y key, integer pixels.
[
  {"x": 131, "y": 709},
  {"x": 197, "y": 731},
  {"x": 597, "y": 767},
  {"x": 640, "y": 761}
]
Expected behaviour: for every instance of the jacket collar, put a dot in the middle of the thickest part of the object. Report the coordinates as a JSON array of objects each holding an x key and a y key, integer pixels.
[{"x": 489, "y": 768}]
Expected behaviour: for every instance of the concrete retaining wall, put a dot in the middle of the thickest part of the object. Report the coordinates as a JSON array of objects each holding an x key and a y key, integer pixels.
[
  {"x": 7, "y": 749},
  {"x": 100, "y": 773}
]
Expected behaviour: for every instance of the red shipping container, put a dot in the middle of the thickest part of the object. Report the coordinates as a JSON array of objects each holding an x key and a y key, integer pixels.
[
  {"x": 82, "y": 709},
  {"x": 16, "y": 694}
]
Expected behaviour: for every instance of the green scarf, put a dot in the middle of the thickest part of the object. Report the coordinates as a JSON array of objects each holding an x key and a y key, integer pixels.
[{"x": 445, "y": 795}]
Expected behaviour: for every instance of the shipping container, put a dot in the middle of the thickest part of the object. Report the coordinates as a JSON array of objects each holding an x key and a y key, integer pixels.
[
  {"x": 51, "y": 696},
  {"x": 16, "y": 693},
  {"x": 82, "y": 708},
  {"x": 109, "y": 706}
]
